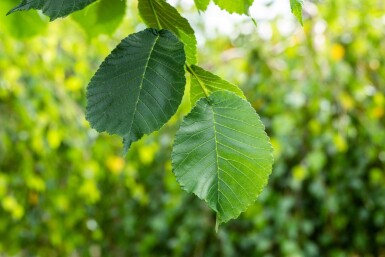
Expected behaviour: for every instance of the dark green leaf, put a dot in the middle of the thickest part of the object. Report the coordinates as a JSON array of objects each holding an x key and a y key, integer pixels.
[
  {"x": 202, "y": 4},
  {"x": 139, "y": 86},
  {"x": 296, "y": 9},
  {"x": 202, "y": 81},
  {"x": 52, "y": 8},
  {"x": 222, "y": 154},
  {"x": 95, "y": 20},
  {"x": 239, "y": 6},
  {"x": 159, "y": 14}
]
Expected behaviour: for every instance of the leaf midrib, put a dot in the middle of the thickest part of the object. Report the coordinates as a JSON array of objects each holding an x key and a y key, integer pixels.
[
  {"x": 217, "y": 162},
  {"x": 141, "y": 82}
]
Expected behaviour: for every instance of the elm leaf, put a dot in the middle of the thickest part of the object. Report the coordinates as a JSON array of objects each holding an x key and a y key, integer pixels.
[
  {"x": 160, "y": 14},
  {"x": 139, "y": 86},
  {"x": 52, "y": 8},
  {"x": 222, "y": 154}
]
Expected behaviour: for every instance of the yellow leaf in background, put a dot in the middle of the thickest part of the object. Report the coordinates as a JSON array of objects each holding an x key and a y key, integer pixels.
[
  {"x": 35, "y": 183},
  {"x": 337, "y": 52},
  {"x": 347, "y": 101},
  {"x": 62, "y": 202},
  {"x": 377, "y": 112},
  {"x": 147, "y": 153},
  {"x": 299, "y": 173},
  {"x": 315, "y": 126},
  {"x": 73, "y": 84},
  {"x": 376, "y": 176},
  {"x": 54, "y": 138},
  {"x": 340, "y": 143},
  {"x": 81, "y": 67},
  {"x": 115, "y": 164},
  {"x": 379, "y": 99},
  {"x": 11, "y": 205},
  {"x": 3, "y": 184},
  {"x": 89, "y": 191}
]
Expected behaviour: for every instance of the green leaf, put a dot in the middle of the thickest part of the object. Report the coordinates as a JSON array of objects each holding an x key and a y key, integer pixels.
[
  {"x": 222, "y": 154},
  {"x": 202, "y": 4},
  {"x": 159, "y": 14},
  {"x": 95, "y": 20},
  {"x": 52, "y": 8},
  {"x": 204, "y": 82},
  {"x": 15, "y": 25},
  {"x": 239, "y": 6},
  {"x": 296, "y": 9},
  {"x": 139, "y": 86}
]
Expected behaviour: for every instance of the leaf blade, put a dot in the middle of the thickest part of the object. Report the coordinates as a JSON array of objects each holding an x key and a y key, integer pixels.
[
  {"x": 94, "y": 19},
  {"x": 222, "y": 154},
  {"x": 202, "y": 4},
  {"x": 50, "y": 7},
  {"x": 240, "y": 7},
  {"x": 296, "y": 9},
  {"x": 159, "y": 12},
  {"x": 138, "y": 87},
  {"x": 211, "y": 83}
]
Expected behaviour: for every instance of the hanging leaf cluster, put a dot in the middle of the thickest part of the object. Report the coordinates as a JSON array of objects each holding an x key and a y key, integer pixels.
[{"x": 221, "y": 152}]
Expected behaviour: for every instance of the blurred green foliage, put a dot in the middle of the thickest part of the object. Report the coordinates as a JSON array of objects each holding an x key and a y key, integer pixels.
[{"x": 66, "y": 190}]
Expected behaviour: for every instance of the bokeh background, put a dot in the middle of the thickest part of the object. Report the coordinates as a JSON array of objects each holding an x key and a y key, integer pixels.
[{"x": 66, "y": 190}]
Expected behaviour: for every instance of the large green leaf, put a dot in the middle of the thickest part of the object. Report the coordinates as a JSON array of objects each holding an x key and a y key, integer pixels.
[
  {"x": 95, "y": 20},
  {"x": 222, "y": 154},
  {"x": 52, "y": 8},
  {"x": 202, "y": 4},
  {"x": 15, "y": 25},
  {"x": 239, "y": 6},
  {"x": 296, "y": 9},
  {"x": 139, "y": 86},
  {"x": 204, "y": 82},
  {"x": 159, "y": 14}
]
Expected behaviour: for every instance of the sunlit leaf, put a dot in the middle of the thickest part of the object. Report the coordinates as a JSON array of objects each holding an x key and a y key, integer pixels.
[
  {"x": 95, "y": 20},
  {"x": 239, "y": 6},
  {"x": 52, "y": 8},
  {"x": 222, "y": 154},
  {"x": 159, "y": 14},
  {"x": 296, "y": 9},
  {"x": 202, "y": 80},
  {"x": 139, "y": 86},
  {"x": 15, "y": 25},
  {"x": 202, "y": 4}
]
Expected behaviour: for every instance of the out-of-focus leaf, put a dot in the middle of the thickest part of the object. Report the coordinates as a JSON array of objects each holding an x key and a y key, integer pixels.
[
  {"x": 202, "y": 4},
  {"x": 202, "y": 80},
  {"x": 239, "y": 6},
  {"x": 296, "y": 9},
  {"x": 102, "y": 17},
  {"x": 222, "y": 154},
  {"x": 21, "y": 25},
  {"x": 159, "y": 14},
  {"x": 52, "y": 8},
  {"x": 139, "y": 86}
]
